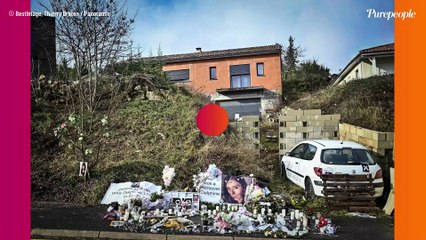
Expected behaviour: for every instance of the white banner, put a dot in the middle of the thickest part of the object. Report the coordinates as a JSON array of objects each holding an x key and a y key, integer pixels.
[
  {"x": 211, "y": 190},
  {"x": 122, "y": 192}
]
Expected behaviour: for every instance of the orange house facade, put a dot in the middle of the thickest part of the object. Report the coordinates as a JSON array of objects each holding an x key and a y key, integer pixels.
[{"x": 245, "y": 81}]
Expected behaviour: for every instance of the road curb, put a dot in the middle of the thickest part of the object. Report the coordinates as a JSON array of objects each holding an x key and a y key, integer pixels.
[
  {"x": 38, "y": 232},
  {"x": 64, "y": 233}
]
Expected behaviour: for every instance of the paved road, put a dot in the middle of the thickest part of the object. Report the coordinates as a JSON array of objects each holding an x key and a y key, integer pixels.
[{"x": 76, "y": 218}]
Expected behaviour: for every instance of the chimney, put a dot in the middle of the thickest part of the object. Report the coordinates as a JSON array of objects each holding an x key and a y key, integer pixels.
[{"x": 198, "y": 49}]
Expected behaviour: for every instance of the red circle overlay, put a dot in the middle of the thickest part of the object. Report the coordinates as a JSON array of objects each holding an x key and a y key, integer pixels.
[{"x": 212, "y": 119}]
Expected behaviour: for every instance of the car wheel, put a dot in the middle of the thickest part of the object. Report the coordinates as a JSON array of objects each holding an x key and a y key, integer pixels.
[
  {"x": 309, "y": 189},
  {"x": 283, "y": 172}
]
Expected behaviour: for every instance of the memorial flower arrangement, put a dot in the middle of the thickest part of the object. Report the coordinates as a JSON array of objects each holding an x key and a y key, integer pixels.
[{"x": 168, "y": 175}]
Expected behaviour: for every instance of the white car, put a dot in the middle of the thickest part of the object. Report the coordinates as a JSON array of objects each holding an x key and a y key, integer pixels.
[{"x": 308, "y": 160}]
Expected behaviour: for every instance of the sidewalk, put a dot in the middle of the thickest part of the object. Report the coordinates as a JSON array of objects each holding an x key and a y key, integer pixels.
[{"x": 55, "y": 221}]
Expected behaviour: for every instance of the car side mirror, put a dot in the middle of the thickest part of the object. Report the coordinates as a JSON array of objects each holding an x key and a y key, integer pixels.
[{"x": 287, "y": 154}]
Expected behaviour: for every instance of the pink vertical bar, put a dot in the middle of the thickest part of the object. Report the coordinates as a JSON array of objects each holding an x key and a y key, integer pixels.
[{"x": 15, "y": 120}]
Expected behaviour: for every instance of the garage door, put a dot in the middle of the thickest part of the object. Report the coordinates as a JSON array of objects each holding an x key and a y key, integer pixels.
[{"x": 244, "y": 107}]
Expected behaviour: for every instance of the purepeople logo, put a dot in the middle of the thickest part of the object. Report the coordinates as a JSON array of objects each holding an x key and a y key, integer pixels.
[{"x": 372, "y": 13}]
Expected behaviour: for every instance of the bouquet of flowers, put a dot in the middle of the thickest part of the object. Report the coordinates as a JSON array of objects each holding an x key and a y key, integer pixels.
[{"x": 168, "y": 174}]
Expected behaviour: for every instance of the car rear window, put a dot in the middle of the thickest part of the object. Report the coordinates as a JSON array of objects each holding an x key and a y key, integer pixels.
[{"x": 346, "y": 156}]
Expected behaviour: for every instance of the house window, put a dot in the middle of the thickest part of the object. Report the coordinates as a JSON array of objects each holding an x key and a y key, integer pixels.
[
  {"x": 256, "y": 124},
  {"x": 357, "y": 74},
  {"x": 213, "y": 73},
  {"x": 178, "y": 75},
  {"x": 256, "y": 135},
  {"x": 260, "y": 69},
  {"x": 240, "y": 76}
]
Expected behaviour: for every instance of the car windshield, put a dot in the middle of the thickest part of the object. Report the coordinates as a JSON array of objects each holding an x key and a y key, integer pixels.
[{"x": 346, "y": 156}]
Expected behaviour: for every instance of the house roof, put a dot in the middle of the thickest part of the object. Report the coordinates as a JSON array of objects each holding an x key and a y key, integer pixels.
[
  {"x": 227, "y": 53},
  {"x": 384, "y": 49}
]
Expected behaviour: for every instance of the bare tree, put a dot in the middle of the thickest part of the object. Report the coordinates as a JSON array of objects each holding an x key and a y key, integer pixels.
[
  {"x": 95, "y": 36},
  {"x": 90, "y": 35}
]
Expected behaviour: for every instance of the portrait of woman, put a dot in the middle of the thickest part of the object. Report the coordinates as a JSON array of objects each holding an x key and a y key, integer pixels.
[{"x": 233, "y": 189}]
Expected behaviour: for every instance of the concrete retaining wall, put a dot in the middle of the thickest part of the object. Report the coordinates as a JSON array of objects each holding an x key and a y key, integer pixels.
[{"x": 298, "y": 125}]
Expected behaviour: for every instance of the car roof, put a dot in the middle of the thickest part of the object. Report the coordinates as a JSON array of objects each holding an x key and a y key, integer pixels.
[{"x": 336, "y": 144}]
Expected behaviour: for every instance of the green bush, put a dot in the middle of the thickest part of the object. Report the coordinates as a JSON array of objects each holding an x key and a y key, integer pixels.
[{"x": 367, "y": 103}]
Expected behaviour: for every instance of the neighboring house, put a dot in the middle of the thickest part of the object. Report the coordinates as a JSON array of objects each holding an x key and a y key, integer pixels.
[
  {"x": 43, "y": 47},
  {"x": 245, "y": 81},
  {"x": 369, "y": 62}
]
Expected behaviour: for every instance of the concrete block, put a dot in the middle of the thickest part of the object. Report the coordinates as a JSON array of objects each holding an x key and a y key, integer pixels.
[
  {"x": 293, "y": 112},
  {"x": 312, "y": 112},
  {"x": 294, "y": 135},
  {"x": 353, "y": 129},
  {"x": 368, "y": 133},
  {"x": 318, "y": 129},
  {"x": 360, "y": 132},
  {"x": 315, "y": 135},
  {"x": 335, "y": 117},
  {"x": 389, "y": 136},
  {"x": 362, "y": 140},
  {"x": 294, "y": 124},
  {"x": 291, "y": 118},
  {"x": 331, "y": 123},
  {"x": 322, "y": 117},
  {"x": 385, "y": 144},
  {"x": 316, "y": 123},
  {"x": 304, "y": 118},
  {"x": 305, "y": 129},
  {"x": 379, "y": 136},
  {"x": 330, "y": 128}
]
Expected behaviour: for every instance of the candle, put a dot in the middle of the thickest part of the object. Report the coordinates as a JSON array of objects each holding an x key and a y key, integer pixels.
[
  {"x": 170, "y": 211},
  {"x": 296, "y": 213},
  {"x": 217, "y": 208},
  {"x": 262, "y": 211},
  {"x": 292, "y": 216},
  {"x": 157, "y": 212},
  {"x": 316, "y": 222},
  {"x": 255, "y": 211},
  {"x": 298, "y": 224},
  {"x": 269, "y": 210},
  {"x": 283, "y": 212},
  {"x": 214, "y": 212},
  {"x": 209, "y": 212},
  {"x": 305, "y": 222}
]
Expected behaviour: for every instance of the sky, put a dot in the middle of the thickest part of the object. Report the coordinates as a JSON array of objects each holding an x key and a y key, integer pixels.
[{"x": 331, "y": 31}]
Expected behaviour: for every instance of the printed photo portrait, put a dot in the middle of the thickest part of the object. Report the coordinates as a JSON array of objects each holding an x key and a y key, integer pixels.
[
  {"x": 83, "y": 169},
  {"x": 234, "y": 188}
]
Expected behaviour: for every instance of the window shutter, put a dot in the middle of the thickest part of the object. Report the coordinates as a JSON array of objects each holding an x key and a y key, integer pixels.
[
  {"x": 178, "y": 75},
  {"x": 243, "y": 69}
]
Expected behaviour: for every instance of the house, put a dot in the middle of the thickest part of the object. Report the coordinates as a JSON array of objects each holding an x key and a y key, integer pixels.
[
  {"x": 245, "y": 81},
  {"x": 368, "y": 62},
  {"x": 43, "y": 47}
]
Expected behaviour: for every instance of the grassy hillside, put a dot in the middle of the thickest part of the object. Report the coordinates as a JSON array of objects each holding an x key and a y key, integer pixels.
[
  {"x": 367, "y": 103},
  {"x": 145, "y": 136}
]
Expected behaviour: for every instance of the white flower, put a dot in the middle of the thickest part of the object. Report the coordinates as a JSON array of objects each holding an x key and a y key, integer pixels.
[
  {"x": 71, "y": 118},
  {"x": 104, "y": 121},
  {"x": 80, "y": 139},
  {"x": 88, "y": 151}
]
